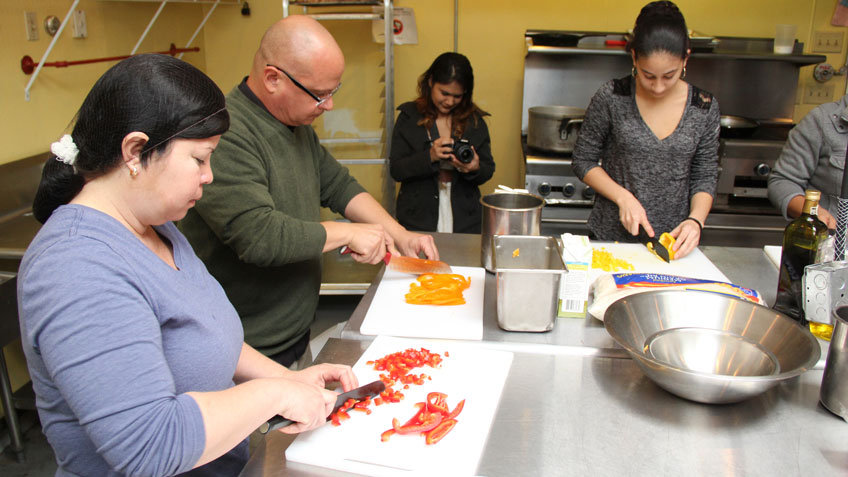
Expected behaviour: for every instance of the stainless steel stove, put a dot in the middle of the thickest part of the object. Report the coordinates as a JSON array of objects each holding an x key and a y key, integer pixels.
[{"x": 568, "y": 200}]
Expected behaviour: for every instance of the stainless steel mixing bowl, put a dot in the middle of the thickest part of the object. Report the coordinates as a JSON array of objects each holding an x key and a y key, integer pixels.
[{"x": 708, "y": 347}]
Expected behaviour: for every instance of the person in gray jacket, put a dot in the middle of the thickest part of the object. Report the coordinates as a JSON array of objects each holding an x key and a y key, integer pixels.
[{"x": 813, "y": 158}]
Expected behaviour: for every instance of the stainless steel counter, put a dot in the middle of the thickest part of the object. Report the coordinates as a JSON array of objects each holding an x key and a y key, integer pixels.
[
  {"x": 570, "y": 406},
  {"x": 744, "y": 266},
  {"x": 571, "y": 414}
]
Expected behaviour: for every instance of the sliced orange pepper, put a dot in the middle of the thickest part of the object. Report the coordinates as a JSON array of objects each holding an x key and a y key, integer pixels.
[{"x": 442, "y": 289}]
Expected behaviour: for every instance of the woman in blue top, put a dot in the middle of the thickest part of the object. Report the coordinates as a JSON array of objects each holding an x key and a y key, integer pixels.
[
  {"x": 649, "y": 141},
  {"x": 136, "y": 355}
]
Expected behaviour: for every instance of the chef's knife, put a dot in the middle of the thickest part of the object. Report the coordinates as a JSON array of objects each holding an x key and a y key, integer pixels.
[
  {"x": 656, "y": 246},
  {"x": 411, "y": 265},
  {"x": 360, "y": 393}
]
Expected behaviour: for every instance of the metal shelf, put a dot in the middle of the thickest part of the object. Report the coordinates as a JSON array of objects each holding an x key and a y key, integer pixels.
[{"x": 388, "y": 186}]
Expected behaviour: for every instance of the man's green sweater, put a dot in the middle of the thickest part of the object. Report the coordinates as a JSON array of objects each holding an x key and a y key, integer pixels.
[{"x": 257, "y": 227}]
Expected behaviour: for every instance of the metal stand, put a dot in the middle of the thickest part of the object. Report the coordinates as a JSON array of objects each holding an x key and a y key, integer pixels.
[{"x": 11, "y": 415}]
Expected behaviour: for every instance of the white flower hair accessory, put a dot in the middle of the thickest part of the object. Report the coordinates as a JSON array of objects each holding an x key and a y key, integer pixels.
[{"x": 65, "y": 150}]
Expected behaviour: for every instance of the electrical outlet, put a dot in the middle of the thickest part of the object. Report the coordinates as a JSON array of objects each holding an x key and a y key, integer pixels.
[
  {"x": 80, "y": 28},
  {"x": 31, "y": 25},
  {"x": 827, "y": 42},
  {"x": 818, "y": 93}
]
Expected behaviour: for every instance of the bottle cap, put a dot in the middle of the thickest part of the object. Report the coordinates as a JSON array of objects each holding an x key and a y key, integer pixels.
[{"x": 812, "y": 194}]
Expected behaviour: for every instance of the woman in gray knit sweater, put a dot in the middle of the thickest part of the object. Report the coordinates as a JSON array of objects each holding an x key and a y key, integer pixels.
[{"x": 649, "y": 141}]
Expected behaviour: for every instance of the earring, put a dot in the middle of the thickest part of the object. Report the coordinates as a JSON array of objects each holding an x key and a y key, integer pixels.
[
  {"x": 683, "y": 75},
  {"x": 633, "y": 72},
  {"x": 134, "y": 171}
]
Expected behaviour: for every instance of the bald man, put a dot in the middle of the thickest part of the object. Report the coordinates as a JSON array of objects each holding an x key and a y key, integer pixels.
[{"x": 258, "y": 225}]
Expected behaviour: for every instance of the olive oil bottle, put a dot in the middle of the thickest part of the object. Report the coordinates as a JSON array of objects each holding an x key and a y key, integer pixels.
[{"x": 802, "y": 241}]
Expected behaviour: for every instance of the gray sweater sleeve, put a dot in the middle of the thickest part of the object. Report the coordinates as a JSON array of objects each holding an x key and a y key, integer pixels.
[
  {"x": 798, "y": 160},
  {"x": 589, "y": 148},
  {"x": 703, "y": 175}
]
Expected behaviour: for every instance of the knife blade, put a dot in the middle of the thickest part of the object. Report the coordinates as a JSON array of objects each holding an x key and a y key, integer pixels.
[
  {"x": 416, "y": 266},
  {"x": 360, "y": 393},
  {"x": 655, "y": 245},
  {"x": 411, "y": 265}
]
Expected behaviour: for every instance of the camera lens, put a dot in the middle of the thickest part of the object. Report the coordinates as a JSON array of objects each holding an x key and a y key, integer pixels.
[{"x": 463, "y": 152}]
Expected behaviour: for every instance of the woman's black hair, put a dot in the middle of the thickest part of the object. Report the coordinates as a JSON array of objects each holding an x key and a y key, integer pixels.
[
  {"x": 660, "y": 27},
  {"x": 161, "y": 96},
  {"x": 447, "y": 68}
]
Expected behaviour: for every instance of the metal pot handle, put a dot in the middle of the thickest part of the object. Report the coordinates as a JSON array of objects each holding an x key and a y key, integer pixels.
[{"x": 566, "y": 126}]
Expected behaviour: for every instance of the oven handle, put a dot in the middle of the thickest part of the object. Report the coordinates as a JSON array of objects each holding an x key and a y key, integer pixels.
[
  {"x": 708, "y": 226},
  {"x": 565, "y": 221},
  {"x": 745, "y": 228}
]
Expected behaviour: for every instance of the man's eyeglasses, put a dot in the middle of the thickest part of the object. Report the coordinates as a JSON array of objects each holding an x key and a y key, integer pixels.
[{"x": 314, "y": 96}]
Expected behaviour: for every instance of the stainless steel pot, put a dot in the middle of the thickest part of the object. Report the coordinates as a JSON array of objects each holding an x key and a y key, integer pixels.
[
  {"x": 833, "y": 393},
  {"x": 508, "y": 213},
  {"x": 554, "y": 128}
]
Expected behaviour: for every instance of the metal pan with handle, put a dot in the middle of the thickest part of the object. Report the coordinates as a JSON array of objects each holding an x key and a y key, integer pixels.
[{"x": 737, "y": 127}]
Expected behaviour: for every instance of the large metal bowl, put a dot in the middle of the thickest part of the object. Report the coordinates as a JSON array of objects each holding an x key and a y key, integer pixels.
[{"x": 708, "y": 347}]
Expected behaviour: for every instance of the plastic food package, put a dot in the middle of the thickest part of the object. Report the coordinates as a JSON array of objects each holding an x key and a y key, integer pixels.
[
  {"x": 611, "y": 287},
  {"x": 574, "y": 285}
]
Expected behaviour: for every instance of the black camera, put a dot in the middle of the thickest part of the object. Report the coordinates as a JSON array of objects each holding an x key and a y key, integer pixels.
[{"x": 462, "y": 150}]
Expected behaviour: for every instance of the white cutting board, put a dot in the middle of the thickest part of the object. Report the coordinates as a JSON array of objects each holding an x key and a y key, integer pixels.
[
  {"x": 694, "y": 265},
  {"x": 390, "y": 314},
  {"x": 470, "y": 372},
  {"x": 773, "y": 254}
]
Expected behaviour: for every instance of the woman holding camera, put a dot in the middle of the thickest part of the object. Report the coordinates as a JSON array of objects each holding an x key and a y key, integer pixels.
[{"x": 441, "y": 152}]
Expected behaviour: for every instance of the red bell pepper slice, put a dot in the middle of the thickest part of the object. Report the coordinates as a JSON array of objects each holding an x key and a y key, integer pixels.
[
  {"x": 430, "y": 422},
  {"x": 436, "y": 403},
  {"x": 440, "y": 431},
  {"x": 386, "y": 434},
  {"x": 456, "y": 410}
]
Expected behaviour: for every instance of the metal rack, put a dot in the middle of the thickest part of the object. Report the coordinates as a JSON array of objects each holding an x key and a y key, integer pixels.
[{"x": 388, "y": 185}]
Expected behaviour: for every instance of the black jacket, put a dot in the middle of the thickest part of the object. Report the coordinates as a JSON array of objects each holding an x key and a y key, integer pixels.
[{"x": 410, "y": 164}]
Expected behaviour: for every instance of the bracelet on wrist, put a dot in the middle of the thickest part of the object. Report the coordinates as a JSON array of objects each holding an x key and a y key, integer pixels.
[{"x": 693, "y": 219}]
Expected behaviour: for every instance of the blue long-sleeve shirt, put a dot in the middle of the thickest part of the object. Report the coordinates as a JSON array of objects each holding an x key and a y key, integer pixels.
[{"x": 114, "y": 339}]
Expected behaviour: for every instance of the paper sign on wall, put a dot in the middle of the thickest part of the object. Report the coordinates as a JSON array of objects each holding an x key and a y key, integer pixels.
[{"x": 406, "y": 33}]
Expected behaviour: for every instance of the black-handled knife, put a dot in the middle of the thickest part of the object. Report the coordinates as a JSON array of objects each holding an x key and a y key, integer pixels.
[
  {"x": 655, "y": 244},
  {"x": 360, "y": 393}
]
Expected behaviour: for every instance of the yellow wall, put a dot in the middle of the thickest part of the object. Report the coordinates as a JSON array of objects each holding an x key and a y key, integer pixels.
[{"x": 114, "y": 27}]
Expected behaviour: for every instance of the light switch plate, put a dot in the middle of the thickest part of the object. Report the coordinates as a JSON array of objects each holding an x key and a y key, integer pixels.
[
  {"x": 818, "y": 93},
  {"x": 79, "y": 25},
  {"x": 827, "y": 42},
  {"x": 31, "y": 25}
]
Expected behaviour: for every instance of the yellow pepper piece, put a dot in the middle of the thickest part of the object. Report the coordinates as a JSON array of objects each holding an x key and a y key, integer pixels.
[
  {"x": 667, "y": 241},
  {"x": 606, "y": 261}
]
